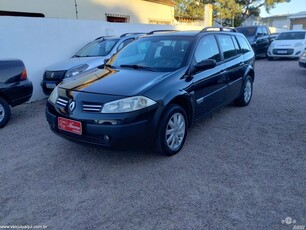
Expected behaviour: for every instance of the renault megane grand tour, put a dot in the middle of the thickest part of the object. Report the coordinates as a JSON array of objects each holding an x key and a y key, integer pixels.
[{"x": 154, "y": 89}]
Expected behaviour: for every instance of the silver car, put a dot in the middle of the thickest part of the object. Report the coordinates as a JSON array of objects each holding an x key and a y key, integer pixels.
[{"x": 90, "y": 56}]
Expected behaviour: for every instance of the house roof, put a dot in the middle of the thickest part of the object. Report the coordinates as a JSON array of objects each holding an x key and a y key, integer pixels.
[{"x": 164, "y": 2}]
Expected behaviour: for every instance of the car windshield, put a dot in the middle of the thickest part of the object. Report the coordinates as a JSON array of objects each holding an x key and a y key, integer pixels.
[
  {"x": 160, "y": 53},
  {"x": 97, "y": 48},
  {"x": 247, "y": 31},
  {"x": 291, "y": 36}
]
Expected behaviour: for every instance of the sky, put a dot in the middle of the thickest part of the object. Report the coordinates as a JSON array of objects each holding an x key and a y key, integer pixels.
[{"x": 294, "y": 6}]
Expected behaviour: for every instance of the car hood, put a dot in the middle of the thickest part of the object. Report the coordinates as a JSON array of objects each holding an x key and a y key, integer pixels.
[
  {"x": 92, "y": 62},
  {"x": 123, "y": 82},
  {"x": 287, "y": 43}
]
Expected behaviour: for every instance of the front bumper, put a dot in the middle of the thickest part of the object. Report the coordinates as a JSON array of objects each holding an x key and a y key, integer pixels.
[
  {"x": 302, "y": 62},
  {"x": 136, "y": 132},
  {"x": 284, "y": 52}
]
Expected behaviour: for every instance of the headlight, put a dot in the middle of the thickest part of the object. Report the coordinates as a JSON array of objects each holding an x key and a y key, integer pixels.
[
  {"x": 304, "y": 54},
  {"x": 127, "y": 105},
  {"x": 53, "y": 96},
  {"x": 298, "y": 44},
  {"x": 76, "y": 70}
]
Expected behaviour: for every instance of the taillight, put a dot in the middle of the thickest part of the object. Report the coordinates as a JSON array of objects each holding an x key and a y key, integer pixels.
[{"x": 23, "y": 75}]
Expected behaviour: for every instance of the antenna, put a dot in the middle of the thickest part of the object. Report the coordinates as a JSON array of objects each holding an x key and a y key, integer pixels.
[{"x": 76, "y": 9}]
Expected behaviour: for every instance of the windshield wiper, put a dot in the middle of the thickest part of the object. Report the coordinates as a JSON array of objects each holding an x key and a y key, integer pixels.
[
  {"x": 139, "y": 67},
  {"x": 110, "y": 66}
]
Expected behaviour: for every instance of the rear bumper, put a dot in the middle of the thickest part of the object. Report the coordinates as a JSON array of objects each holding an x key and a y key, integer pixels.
[{"x": 18, "y": 93}]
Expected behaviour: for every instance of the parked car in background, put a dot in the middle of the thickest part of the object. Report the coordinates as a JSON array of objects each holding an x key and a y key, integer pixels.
[
  {"x": 289, "y": 44},
  {"x": 302, "y": 60},
  {"x": 90, "y": 56},
  {"x": 258, "y": 36},
  {"x": 15, "y": 87},
  {"x": 154, "y": 89}
]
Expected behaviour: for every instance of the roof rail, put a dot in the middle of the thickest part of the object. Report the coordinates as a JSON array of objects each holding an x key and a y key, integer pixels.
[
  {"x": 125, "y": 34},
  {"x": 211, "y": 28},
  {"x": 160, "y": 31},
  {"x": 102, "y": 37}
]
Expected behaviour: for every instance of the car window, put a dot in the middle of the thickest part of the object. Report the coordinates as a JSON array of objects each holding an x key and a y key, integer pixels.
[
  {"x": 259, "y": 31},
  {"x": 97, "y": 48},
  {"x": 207, "y": 49},
  {"x": 236, "y": 44},
  {"x": 161, "y": 53},
  {"x": 291, "y": 36},
  {"x": 227, "y": 45},
  {"x": 264, "y": 31},
  {"x": 247, "y": 31},
  {"x": 124, "y": 43},
  {"x": 244, "y": 45}
]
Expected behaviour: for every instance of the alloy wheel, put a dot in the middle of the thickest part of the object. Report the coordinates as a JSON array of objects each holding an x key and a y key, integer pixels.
[{"x": 175, "y": 131}]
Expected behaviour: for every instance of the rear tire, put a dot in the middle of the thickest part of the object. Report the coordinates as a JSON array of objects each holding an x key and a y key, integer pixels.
[
  {"x": 246, "y": 92},
  {"x": 5, "y": 112},
  {"x": 172, "y": 131}
]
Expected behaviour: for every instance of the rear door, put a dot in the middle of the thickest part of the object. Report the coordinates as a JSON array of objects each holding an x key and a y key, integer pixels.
[{"x": 235, "y": 65}]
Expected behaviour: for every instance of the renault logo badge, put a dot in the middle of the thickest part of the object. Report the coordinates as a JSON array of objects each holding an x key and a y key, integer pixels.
[
  {"x": 52, "y": 75},
  {"x": 71, "y": 106}
]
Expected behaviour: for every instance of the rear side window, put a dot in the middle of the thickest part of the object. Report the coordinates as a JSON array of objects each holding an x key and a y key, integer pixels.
[
  {"x": 244, "y": 45},
  {"x": 227, "y": 45}
]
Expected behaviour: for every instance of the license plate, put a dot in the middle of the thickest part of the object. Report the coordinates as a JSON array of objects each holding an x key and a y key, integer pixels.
[
  {"x": 282, "y": 51},
  {"x": 69, "y": 125},
  {"x": 50, "y": 85}
]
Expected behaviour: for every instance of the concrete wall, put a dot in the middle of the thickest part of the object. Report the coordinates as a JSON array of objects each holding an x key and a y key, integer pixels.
[
  {"x": 40, "y": 42},
  {"x": 138, "y": 11}
]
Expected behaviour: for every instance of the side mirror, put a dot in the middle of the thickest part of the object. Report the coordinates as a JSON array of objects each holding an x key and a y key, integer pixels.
[
  {"x": 205, "y": 64},
  {"x": 106, "y": 60}
]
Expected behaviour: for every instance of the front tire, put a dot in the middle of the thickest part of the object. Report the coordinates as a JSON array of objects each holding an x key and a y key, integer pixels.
[
  {"x": 5, "y": 112},
  {"x": 172, "y": 131},
  {"x": 246, "y": 92}
]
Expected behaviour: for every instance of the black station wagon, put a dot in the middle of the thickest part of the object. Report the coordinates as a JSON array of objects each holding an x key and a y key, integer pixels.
[{"x": 154, "y": 89}]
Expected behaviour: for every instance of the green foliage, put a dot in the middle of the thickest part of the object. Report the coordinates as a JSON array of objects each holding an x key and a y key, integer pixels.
[{"x": 229, "y": 12}]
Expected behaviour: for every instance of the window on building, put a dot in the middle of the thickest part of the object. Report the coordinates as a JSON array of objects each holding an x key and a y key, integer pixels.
[{"x": 117, "y": 18}]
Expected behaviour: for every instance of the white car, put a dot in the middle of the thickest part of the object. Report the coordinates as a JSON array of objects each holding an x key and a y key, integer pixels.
[
  {"x": 302, "y": 60},
  {"x": 289, "y": 44}
]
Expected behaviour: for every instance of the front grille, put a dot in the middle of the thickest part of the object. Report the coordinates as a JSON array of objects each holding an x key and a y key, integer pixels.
[
  {"x": 93, "y": 108},
  {"x": 283, "y": 51},
  {"x": 54, "y": 75},
  {"x": 61, "y": 102}
]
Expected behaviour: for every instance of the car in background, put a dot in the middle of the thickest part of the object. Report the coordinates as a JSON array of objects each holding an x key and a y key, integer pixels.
[
  {"x": 154, "y": 89},
  {"x": 259, "y": 38},
  {"x": 90, "y": 56},
  {"x": 302, "y": 60},
  {"x": 15, "y": 87},
  {"x": 289, "y": 44}
]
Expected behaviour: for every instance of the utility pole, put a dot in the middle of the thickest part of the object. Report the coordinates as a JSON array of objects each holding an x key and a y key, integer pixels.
[{"x": 76, "y": 9}]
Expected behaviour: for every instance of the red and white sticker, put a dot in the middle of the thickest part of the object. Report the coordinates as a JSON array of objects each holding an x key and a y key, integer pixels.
[{"x": 69, "y": 125}]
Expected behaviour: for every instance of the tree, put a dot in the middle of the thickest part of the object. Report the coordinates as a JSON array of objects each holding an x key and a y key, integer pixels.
[{"x": 226, "y": 11}]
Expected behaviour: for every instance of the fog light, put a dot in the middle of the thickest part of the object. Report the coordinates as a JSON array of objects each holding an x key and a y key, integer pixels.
[{"x": 106, "y": 138}]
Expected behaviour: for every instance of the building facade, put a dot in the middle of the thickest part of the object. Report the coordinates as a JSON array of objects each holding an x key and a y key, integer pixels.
[{"x": 125, "y": 11}]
